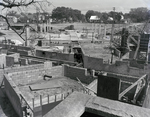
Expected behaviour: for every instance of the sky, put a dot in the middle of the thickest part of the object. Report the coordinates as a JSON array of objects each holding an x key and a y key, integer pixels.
[
  {"x": 102, "y": 5},
  {"x": 96, "y": 5}
]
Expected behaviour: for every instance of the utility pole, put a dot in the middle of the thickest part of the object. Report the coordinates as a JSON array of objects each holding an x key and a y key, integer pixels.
[{"x": 112, "y": 30}]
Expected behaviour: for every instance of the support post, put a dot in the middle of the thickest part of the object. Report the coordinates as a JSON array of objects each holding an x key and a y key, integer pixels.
[
  {"x": 40, "y": 100},
  {"x": 48, "y": 98},
  {"x": 55, "y": 98},
  {"x": 33, "y": 102}
]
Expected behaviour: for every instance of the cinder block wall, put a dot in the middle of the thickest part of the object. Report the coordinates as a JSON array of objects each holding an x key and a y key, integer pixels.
[
  {"x": 15, "y": 55},
  {"x": 77, "y": 72},
  {"x": 120, "y": 67},
  {"x": 134, "y": 63},
  {"x": 9, "y": 61},
  {"x": 15, "y": 47},
  {"x": 13, "y": 96},
  {"x": 117, "y": 52},
  {"x": 18, "y": 69},
  {"x": 1, "y": 75},
  {"x": 55, "y": 55},
  {"x": 22, "y": 52},
  {"x": 32, "y": 62},
  {"x": 2, "y": 60},
  {"x": 30, "y": 76},
  {"x": 92, "y": 63}
]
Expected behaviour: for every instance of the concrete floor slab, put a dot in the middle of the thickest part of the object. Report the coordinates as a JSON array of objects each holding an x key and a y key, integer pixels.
[{"x": 77, "y": 103}]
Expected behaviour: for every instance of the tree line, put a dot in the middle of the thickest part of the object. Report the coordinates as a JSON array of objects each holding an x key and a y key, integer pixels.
[{"x": 64, "y": 14}]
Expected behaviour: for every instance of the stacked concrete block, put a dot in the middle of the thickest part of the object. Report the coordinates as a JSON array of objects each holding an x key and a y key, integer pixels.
[
  {"x": 55, "y": 55},
  {"x": 92, "y": 63},
  {"x": 23, "y": 61},
  {"x": 120, "y": 67},
  {"x": 9, "y": 61},
  {"x": 47, "y": 64},
  {"x": 4, "y": 51},
  {"x": 32, "y": 62},
  {"x": 2, "y": 60},
  {"x": 16, "y": 56},
  {"x": 22, "y": 52},
  {"x": 13, "y": 96},
  {"x": 80, "y": 73}
]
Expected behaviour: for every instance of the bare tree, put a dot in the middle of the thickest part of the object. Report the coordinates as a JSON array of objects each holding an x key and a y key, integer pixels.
[{"x": 19, "y": 4}]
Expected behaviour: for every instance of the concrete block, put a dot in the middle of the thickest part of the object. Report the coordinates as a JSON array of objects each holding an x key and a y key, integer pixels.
[
  {"x": 92, "y": 63},
  {"x": 16, "y": 56},
  {"x": 2, "y": 60},
  {"x": 76, "y": 72},
  {"x": 23, "y": 61},
  {"x": 9, "y": 61},
  {"x": 47, "y": 64}
]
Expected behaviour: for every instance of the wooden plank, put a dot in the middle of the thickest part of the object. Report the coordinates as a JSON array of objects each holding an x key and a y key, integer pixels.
[
  {"x": 134, "y": 40},
  {"x": 85, "y": 87},
  {"x": 46, "y": 85},
  {"x": 130, "y": 87},
  {"x": 137, "y": 49}
]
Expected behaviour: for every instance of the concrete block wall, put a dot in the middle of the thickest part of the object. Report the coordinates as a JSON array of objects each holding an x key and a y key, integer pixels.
[
  {"x": 125, "y": 78},
  {"x": 22, "y": 52},
  {"x": 15, "y": 55},
  {"x": 47, "y": 64},
  {"x": 76, "y": 72},
  {"x": 4, "y": 45},
  {"x": 120, "y": 67},
  {"x": 4, "y": 51},
  {"x": 64, "y": 56},
  {"x": 2, "y": 60},
  {"x": 92, "y": 63},
  {"x": 18, "y": 69},
  {"x": 15, "y": 47},
  {"x": 24, "y": 48},
  {"x": 9, "y": 61},
  {"x": 31, "y": 76},
  {"x": 18, "y": 49},
  {"x": 117, "y": 52},
  {"x": 13, "y": 96},
  {"x": 134, "y": 63},
  {"x": 1, "y": 75},
  {"x": 24, "y": 68},
  {"x": 23, "y": 61},
  {"x": 32, "y": 62},
  {"x": 55, "y": 55}
]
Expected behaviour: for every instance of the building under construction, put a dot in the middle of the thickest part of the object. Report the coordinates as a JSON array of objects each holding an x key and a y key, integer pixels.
[{"x": 78, "y": 81}]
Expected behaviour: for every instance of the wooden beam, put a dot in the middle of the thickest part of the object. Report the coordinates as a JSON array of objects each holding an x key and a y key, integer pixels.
[
  {"x": 137, "y": 49},
  {"x": 130, "y": 87},
  {"x": 139, "y": 88},
  {"x": 85, "y": 87},
  {"x": 134, "y": 40}
]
